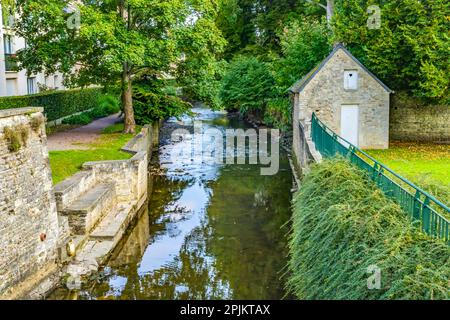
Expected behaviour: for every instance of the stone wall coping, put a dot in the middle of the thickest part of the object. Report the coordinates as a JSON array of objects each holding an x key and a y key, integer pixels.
[
  {"x": 70, "y": 182},
  {"x": 5, "y": 113},
  {"x": 137, "y": 157},
  {"x": 130, "y": 146}
]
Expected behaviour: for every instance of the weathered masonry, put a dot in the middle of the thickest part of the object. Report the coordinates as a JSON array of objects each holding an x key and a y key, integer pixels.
[
  {"x": 69, "y": 230},
  {"x": 29, "y": 228},
  {"x": 412, "y": 120},
  {"x": 345, "y": 96}
]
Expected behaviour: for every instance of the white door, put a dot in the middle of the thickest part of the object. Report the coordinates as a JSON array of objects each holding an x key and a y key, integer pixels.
[{"x": 349, "y": 123}]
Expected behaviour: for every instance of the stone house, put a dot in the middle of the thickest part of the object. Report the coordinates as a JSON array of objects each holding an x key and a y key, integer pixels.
[{"x": 347, "y": 97}]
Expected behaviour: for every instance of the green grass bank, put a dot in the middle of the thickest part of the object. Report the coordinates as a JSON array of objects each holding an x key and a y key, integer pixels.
[
  {"x": 343, "y": 224},
  {"x": 107, "y": 147},
  {"x": 425, "y": 164}
]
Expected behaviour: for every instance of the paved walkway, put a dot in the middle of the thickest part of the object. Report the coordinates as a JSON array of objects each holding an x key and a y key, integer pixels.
[{"x": 73, "y": 139}]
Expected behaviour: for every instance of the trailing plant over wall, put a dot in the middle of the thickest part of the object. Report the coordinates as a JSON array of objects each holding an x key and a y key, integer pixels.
[{"x": 344, "y": 227}]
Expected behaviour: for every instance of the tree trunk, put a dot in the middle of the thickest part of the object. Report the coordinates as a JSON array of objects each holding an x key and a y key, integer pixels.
[
  {"x": 330, "y": 10},
  {"x": 127, "y": 102},
  {"x": 126, "y": 90}
]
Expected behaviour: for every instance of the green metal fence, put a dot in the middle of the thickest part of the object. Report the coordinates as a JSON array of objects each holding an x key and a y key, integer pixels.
[{"x": 418, "y": 204}]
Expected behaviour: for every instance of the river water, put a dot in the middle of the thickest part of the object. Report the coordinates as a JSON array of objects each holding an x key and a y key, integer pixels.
[{"x": 210, "y": 231}]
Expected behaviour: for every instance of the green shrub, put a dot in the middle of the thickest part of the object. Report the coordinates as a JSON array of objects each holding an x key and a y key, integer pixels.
[
  {"x": 56, "y": 104},
  {"x": 82, "y": 119},
  {"x": 342, "y": 224},
  {"x": 109, "y": 103},
  {"x": 153, "y": 105},
  {"x": 247, "y": 85},
  {"x": 278, "y": 113},
  {"x": 16, "y": 137}
]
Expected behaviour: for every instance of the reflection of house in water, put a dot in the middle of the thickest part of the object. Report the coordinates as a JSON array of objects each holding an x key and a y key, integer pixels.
[{"x": 131, "y": 250}]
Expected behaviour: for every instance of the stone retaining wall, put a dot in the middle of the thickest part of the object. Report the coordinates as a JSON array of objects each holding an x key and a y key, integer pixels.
[
  {"x": 130, "y": 176},
  {"x": 29, "y": 229},
  {"x": 33, "y": 229},
  {"x": 303, "y": 149},
  {"x": 411, "y": 120}
]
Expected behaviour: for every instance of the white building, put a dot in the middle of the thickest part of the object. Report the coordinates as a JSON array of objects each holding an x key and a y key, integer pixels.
[{"x": 13, "y": 82}]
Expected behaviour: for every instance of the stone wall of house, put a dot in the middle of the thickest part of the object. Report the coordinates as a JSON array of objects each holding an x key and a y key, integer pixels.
[
  {"x": 412, "y": 120},
  {"x": 303, "y": 147},
  {"x": 29, "y": 230},
  {"x": 325, "y": 94}
]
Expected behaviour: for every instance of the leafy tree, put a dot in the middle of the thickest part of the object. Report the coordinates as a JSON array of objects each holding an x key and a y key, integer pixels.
[
  {"x": 116, "y": 41},
  {"x": 253, "y": 27},
  {"x": 410, "y": 49},
  {"x": 151, "y": 103},
  {"x": 304, "y": 44},
  {"x": 247, "y": 85},
  {"x": 199, "y": 71}
]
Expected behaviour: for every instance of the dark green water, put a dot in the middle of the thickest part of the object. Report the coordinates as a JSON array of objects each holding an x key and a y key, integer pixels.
[{"x": 209, "y": 232}]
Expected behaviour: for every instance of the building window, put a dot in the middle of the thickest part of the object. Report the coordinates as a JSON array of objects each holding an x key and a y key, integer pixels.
[
  {"x": 350, "y": 79},
  {"x": 55, "y": 82},
  {"x": 8, "y": 19},
  {"x": 31, "y": 85},
  {"x": 10, "y": 61},
  {"x": 8, "y": 44}
]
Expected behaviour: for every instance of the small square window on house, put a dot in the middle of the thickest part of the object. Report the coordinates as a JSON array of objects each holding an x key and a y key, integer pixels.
[{"x": 350, "y": 79}]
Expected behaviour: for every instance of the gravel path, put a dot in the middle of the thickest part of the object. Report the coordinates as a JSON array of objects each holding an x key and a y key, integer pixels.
[{"x": 73, "y": 139}]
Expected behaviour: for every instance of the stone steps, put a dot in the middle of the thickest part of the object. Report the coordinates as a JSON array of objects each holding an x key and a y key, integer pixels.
[
  {"x": 85, "y": 212},
  {"x": 98, "y": 245},
  {"x": 71, "y": 188},
  {"x": 114, "y": 224}
]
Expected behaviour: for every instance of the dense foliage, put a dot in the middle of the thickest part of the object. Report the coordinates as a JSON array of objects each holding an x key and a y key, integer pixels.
[
  {"x": 113, "y": 42},
  {"x": 153, "y": 103},
  {"x": 303, "y": 45},
  {"x": 57, "y": 104},
  {"x": 410, "y": 50},
  {"x": 106, "y": 105},
  {"x": 342, "y": 225},
  {"x": 247, "y": 85}
]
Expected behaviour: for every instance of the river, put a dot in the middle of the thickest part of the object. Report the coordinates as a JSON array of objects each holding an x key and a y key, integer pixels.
[{"x": 210, "y": 231}]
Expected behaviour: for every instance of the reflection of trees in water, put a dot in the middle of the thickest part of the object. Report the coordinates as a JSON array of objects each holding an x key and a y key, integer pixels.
[
  {"x": 237, "y": 253},
  {"x": 246, "y": 238},
  {"x": 191, "y": 275}
]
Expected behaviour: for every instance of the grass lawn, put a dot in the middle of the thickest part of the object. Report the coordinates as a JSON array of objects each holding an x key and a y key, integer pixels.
[
  {"x": 425, "y": 164},
  {"x": 106, "y": 147}
]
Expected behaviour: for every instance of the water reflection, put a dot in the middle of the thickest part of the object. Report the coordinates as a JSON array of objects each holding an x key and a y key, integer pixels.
[{"x": 210, "y": 232}]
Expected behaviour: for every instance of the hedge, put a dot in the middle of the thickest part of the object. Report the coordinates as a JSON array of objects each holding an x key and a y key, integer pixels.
[{"x": 56, "y": 104}]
